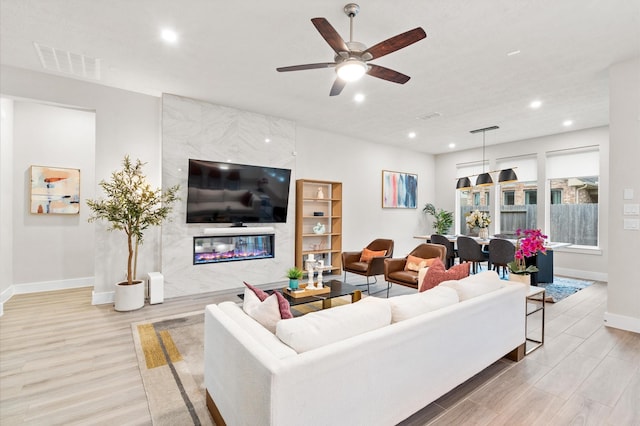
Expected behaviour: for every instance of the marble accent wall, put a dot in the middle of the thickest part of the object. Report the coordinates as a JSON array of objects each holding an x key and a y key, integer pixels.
[{"x": 201, "y": 130}]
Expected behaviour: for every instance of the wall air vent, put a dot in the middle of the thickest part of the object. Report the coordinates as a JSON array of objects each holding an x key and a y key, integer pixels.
[{"x": 75, "y": 64}]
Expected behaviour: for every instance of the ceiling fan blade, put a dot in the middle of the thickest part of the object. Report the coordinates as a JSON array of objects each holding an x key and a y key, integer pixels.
[
  {"x": 307, "y": 67},
  {"x": 330, "y": 35},
  {"x": 337, "y": 87},
  {"x": 396, "y": 43},
  {"x": 387, "y": 74}
]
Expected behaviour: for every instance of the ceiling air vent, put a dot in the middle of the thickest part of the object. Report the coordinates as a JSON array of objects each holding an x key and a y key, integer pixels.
[
  {"x": 75, "y": 64},
  {"x": 430, "y": 116}
]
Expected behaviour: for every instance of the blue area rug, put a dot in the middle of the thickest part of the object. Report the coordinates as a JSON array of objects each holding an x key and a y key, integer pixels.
[{"x": 560, "y": 288}]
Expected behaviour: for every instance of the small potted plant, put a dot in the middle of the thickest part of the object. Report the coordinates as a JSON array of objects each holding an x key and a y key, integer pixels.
[
  {"x": 529, "y": 243},
  {"x": 131, "y": 206},
  {"x": 442, "y": 218},
  {"x": 294, "y": 274}
]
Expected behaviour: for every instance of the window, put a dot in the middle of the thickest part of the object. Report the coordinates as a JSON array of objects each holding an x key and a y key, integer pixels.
[
  {"x": 508, "y": 198},
  {"x": 518, "y": 209},
  {"x": 574, "y": 194},
  {"x": 531, "y": 196},
  {"x": 476, "y": 199}
]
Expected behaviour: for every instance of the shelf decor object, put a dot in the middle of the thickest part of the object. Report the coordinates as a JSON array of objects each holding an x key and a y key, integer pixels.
[{"x": 399, "y": 190}]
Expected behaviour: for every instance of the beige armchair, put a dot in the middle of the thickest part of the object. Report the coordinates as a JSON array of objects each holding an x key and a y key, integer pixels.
[
  {"x": 394, "y": 269},
  {"x": 352, "y": 261}
]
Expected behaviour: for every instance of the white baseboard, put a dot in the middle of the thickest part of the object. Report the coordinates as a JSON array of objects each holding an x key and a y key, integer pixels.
[
  {"x": 41, "y": 286},
  {"x": 622, "y": 322},
  {"x": 103, "y": 298},
  {"x": 584, "y": 275}
]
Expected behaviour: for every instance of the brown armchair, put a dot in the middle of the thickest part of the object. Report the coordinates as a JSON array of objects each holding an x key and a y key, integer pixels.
[
  {"x": 394, "y": 271},
  {"x": 351, "y": 261}
]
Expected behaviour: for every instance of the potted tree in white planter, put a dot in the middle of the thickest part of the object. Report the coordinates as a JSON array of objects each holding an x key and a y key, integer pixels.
[{"x": 132, "y": 206}]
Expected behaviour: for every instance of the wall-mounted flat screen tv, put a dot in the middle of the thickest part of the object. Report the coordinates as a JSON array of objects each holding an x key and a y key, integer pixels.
[{"x": 221, "y": 192}]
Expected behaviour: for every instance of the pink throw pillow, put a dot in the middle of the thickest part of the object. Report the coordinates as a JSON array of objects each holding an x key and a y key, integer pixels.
[
  {"x": 259, "y": 293},
  {"x": 437, "y": 274}
]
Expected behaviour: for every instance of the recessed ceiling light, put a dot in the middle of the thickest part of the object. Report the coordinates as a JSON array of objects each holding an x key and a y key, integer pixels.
[
  {"x": 169, "y": 35},
  {"x": 567, "y": 123},
  {"x": 267, "y": 140},
  {"x": 412, "y": 135},
  {"x": 535, "y": 104},
  {"x": 452, "y": 145},
  {"x": 359, "y": 97},
  {"x": 513, "y": 53}
]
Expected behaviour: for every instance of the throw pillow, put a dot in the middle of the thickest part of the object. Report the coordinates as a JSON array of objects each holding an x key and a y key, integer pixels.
[
  {"x": 267, "y": 312},
  {"x": 260, "y": 293},
  {"x": 367, "y": 254},
  {"x": 437, "y": 274},
  {"x": 415, "y": 263}
]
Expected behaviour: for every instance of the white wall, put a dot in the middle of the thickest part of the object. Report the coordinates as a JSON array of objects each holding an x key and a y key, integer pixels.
[
  {"x": 126, "y": 123},
  {"x": 358, "y": 165},
  {"x": 588, "y": 264},
  {"x": 204, "y": 131},
  {"x": 51, "y": 247},
  {"x": 623, "y": 302},
  {"x": 6, "y": 198}
]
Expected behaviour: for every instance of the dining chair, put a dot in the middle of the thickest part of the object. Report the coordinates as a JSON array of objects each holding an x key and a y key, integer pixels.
[
  {"x": 470, "y": 251},
  {"x": 501, "y": 252},
  {"x": 451, "y": 251}
]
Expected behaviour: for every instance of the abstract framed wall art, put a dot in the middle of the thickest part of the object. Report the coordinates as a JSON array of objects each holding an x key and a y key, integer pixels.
[
  {"x": 399, "y": 190},
  {"x": 55, "y": 190}
]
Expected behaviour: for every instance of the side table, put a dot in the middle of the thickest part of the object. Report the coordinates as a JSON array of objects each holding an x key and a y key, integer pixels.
[{"x": 534, "y": 302}]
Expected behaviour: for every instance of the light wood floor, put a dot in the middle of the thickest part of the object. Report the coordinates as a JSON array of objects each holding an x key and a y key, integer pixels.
[{"x": 64, "y": 361}]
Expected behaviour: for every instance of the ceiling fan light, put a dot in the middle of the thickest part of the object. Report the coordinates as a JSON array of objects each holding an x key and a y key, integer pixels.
[
  {"x": 463, "y": 183},
  {"x": 484, "y": 179},
  {"x": 351, "y": 70},
  {"x": 507, "y": 175}
]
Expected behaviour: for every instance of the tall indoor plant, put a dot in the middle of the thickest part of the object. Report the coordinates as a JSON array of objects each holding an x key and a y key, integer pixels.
[
  {"x": 442, "y": 218},
  {"x": 132, "y": 206}
]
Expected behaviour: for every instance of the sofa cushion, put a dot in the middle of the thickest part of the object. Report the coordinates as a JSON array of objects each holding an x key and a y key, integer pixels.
[
  {"x": 268, "y": 312},
  {"x": 437, "y": 274},
  {"x": 254, "y": 329},
  {"x": 367, "y": 254},
  {"x": 415, "y": 263},
  {"x": 411, "y": 305},
  {"x": 476, "y": 285},
  {"x": 332, "y": 325}
]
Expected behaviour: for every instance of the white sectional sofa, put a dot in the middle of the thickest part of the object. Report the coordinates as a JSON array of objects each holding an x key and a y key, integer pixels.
[{"x": 375, "y": 362}]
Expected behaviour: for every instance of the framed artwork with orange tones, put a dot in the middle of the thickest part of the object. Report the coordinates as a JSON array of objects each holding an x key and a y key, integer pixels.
[
  {"x": 55, "y": 190},
  {"x": 399, "y": 190}
]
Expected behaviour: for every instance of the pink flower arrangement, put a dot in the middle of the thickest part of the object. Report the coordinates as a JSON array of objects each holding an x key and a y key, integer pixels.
[{"x": 529, "y": 243}]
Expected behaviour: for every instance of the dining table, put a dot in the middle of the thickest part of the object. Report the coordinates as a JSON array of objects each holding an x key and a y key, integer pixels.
[{"x": 543, "y": 261}]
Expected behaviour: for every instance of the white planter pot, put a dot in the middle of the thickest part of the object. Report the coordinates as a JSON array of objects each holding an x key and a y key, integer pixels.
[
  {"x": 129, "y": 297},
  {"x": 520, "y": 278}
]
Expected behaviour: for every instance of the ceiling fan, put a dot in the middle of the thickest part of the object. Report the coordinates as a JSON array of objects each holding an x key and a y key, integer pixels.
[{"x": 352, "y": 57}]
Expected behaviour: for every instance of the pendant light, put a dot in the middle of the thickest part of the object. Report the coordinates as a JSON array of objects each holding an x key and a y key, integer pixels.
[
  {"x": 507, "y": 175},
  {"x": 463, "y": 183},
  {"x": 484, "y": 179}
]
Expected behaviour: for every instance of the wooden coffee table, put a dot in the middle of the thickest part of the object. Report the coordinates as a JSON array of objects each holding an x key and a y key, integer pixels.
[{"x": 338, "y": 289}]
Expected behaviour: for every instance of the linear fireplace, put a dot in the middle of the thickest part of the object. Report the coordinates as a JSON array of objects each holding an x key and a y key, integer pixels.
[{"x": 229, "y": 248}]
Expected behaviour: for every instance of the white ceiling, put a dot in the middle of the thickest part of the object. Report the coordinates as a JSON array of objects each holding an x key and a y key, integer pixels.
[{"x": 227, "y": 54}]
